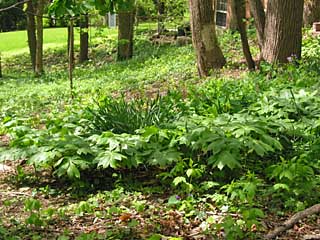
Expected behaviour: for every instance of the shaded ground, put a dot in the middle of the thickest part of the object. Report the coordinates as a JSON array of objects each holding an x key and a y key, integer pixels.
[{"x": 115, "y": 214}]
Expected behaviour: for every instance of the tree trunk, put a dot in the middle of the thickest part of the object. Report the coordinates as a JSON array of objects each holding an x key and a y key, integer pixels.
[
  {"x": 161, "y": 8},
  {"x": 257, "y": 11},
  {"x": 205, "y": 42},
  {"x": 125, "y": 34},
  {"x": 39, "y": 44},
  {"x": 71, "y": 55},
  {"x": 284, "y": 28},
  {"x": 31, "y": 31},
  {"x": 231, "y": 16},
  {"x": 240, "y": 12},
  {"x": 84, "y": 38},
  {"x": 311, "y": 12}
]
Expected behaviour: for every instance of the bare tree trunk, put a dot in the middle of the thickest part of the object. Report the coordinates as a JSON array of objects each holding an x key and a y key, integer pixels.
[
  {"x": 71, "y": 55},
  {"x": 125, "y": 35},
  {"x": 311, "y": 12},
  {"x": 284, "y": 28},
  {"x": 160, "y": 6},
  {"x": 257, "y": 11},
  {"x": 231, "y": 16},
  {"x": 84, "y": 38},
  {"x": 240, "y": 12},
  {"x": 31, "y": 31},
  {"x": 205, "y": 42},
  {"x": 39, "y": 44}
]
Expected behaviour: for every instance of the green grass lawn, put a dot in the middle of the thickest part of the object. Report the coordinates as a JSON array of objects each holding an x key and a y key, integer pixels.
[{"x": 15, "y": 43}]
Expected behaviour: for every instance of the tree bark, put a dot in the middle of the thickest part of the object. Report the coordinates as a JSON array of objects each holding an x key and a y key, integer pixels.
[
  {"x": 71, "y": 55},
  {"x": 39, "y": 36},
  {"x": 205, "y": 42},
  {"x": 284, "y": 28},
  {"x": 315, "y": 209},
  {"x": 231, "y": 16},
  {"x": 84, "y": 39},
  {"x": 125, "y": 35},
  {"x": 161, "y": 11},
  {"x": 240, "y": 12},
  {"x": 257, "y": 11},
  {"x": 311, "y": 12},
  {"x": 31, "y": 31}
]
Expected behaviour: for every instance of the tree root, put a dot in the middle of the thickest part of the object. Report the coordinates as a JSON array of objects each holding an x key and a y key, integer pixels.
[{"x": 293, "y": 220}]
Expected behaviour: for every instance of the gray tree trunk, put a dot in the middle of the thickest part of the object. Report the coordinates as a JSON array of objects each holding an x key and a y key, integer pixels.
[
  {"x": 39, "y": 34},
  {"x": 125, "y": 34},
  {"x": 257, "y": 11},
  {"x": 31, "y": 31},
  {"x": 205, "y": 42},
  {"x": 84, "y": 38},
  {"x": 284, "y": 30},
  {"x": 240, "y": 12},
  {"x": 71, "y": 55},
  {"x": 311, "y": 12}
]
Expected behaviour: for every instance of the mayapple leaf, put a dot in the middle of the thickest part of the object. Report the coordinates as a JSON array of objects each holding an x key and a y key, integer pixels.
[{"x": 225, "y": 158}]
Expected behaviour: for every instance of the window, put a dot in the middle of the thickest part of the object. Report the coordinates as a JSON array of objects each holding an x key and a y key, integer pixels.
[{"x": 221, "y": 13}]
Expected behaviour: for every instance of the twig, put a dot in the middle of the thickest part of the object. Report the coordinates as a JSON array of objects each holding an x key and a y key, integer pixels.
[
  {"x": 15, "y": 193},
  {"x": 293, "y": 220},
  {"x": 13, "y": 5},
  {"x": 311, "y": 237}
]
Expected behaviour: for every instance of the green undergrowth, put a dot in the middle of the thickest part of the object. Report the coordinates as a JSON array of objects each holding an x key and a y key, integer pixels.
[{"x": 244, "y": 147}]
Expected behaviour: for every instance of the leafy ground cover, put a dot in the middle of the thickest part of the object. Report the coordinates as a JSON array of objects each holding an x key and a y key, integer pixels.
[{"x": 147, "y": 150}]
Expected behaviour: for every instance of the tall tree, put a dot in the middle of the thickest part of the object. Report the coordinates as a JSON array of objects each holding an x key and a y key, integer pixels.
[
  {"x": 31, "y": 31},
  {"x": 311, "y": 12},
  {"x": 160, "y": 9},
  {"x": 231, "y": 16},
  {"x": 39, "y": 37},
  {"x": 125, "y": 33},
  {"x": 257, "y": 11},
  {"x": 240, "y": 12},
  {"x": 71, "y": 54},
  {"x": 284, "y": 28},
  {"x": 205, "y": 42},
  {"x": 84, "y": 38}
]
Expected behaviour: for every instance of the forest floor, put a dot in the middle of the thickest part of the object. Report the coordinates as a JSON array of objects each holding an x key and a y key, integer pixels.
[
  {"x": 130, "y": 214},
  {"x": 123, "y": 204}
]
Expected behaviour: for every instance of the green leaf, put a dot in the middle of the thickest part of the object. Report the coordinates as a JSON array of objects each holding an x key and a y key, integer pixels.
[
  {"x": 73, "y": 171},
  {"x": 179, "y": 180},
  {"x": 286, "y": 174},
  {"x": 109, "y": 159},
  {"x": 42, "y": 158},
  {"x": 280, "y": 186},
  {"x": 225, "y": 158},
  {"x": 190, "y": 172},
  {"x": 155, "y": 237},
  {"x": 173, "y": 200},
  {"x": 133, "y": 223},
  {"x": 163, "y": 158}
]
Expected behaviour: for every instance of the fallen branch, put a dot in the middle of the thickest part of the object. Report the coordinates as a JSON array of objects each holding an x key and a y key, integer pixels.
[
  {"x": 293, "y": 220},
  {"x": 13, "y": 5}
]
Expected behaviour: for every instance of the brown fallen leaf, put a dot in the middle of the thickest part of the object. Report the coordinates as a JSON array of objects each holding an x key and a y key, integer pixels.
[{"x": 125, "y": 217}]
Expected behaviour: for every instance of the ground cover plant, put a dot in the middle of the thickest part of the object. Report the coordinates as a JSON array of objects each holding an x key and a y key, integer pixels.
[{"x": 146, "y": 150}]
